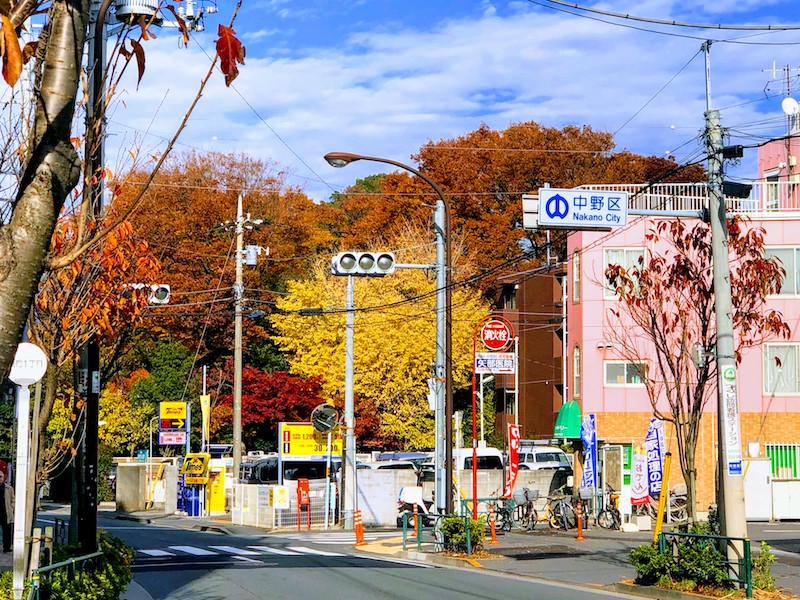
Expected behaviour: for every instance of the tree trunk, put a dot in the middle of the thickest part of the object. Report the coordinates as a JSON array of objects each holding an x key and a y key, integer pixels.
[{"x": 52, "y": 171}]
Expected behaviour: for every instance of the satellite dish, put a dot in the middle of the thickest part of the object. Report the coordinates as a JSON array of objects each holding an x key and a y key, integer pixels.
[{"x": 789, "y": 105}]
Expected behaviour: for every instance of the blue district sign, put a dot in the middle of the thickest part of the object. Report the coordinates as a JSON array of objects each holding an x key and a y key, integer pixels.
[{"x": 587, "y": 209}]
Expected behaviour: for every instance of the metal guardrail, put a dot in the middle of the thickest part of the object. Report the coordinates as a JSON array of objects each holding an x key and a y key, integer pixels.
[
  {"x": 419, "y": 533},
  {"x": 740, "y": 570},
  {"x": 75, "y": 567}
]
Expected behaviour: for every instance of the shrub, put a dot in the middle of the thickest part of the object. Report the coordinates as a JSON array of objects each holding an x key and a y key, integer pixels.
[
  {"x": 762, "y": 574},
  {"x": 106, "y": 582},
  {"x": 652, "y": 567},
  {"x": 701, "y": 562},
  {"x": 455, "y": 537}
]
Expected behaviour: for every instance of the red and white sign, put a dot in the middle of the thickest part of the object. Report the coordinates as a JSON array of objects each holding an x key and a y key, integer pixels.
[
  {"x": 172, "y": 438},
  {"x": 513, "y": 460},
  {"x": 639, "y": 485},
  {"x": 497, "y": 334}
]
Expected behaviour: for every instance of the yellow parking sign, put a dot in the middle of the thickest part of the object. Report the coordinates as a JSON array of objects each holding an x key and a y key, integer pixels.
[{"x": 196, "y": 464}]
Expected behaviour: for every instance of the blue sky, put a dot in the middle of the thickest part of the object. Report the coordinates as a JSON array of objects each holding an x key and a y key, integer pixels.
[{"x": 383, "y": 77}]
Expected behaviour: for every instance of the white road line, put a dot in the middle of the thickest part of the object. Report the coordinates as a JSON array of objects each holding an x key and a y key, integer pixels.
[
  {"x": 306, "y": 550},
  {"x": 157, "y": 553},
  {"x": 280, "y": 551},
  {"x": 246, "y": 559},
  {"x": 193, "y": 550},
  {"x": 233, "y": 550}
]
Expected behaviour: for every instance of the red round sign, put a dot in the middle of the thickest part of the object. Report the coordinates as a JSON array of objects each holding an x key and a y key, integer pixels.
[{"x": 497, "y": 335}]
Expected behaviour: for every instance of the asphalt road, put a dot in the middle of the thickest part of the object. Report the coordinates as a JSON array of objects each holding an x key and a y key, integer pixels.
[{"x": 180, "y": 564}]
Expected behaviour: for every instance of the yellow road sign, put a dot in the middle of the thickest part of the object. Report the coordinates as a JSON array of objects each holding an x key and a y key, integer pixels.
[
  {"x": 196, "y": 464},
  {"x": 172, "y": 415}
]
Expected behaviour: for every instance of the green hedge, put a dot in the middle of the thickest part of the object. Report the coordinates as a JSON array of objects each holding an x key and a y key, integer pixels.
[{"x": 105, "y": 583}]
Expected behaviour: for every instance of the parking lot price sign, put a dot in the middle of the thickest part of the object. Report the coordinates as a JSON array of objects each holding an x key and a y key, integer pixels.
[
  {"x": 301, "y": 439},
  {"x": 585, "y": 209}
]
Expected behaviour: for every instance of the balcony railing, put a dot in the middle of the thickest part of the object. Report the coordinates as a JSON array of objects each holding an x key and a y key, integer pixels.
[{"x": 766, "y": 198}]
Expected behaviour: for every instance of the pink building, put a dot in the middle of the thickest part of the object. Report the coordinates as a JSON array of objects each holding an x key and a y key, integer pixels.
[{"x": 607, "y": 384}]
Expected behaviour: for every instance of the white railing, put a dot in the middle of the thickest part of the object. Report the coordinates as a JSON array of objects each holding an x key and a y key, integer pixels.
[{"x": 766, "y": 198}]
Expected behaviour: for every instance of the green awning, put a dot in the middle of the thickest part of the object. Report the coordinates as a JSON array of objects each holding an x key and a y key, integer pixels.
[{"x": 568, "y": 421}]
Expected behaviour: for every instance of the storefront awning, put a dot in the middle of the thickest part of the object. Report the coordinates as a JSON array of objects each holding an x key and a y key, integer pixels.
[{"x": 568, "y": 421}]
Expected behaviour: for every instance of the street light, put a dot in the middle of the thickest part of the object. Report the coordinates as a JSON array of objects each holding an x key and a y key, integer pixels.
[{"x": 342, "y": 159}]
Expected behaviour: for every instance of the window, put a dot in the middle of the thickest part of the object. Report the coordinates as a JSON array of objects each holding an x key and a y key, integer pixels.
[
  {"x": 772, "y": 190},
  {"x": 576, "y": 276},
  {"x": 625, "y": 373},
  {"x": 790, "y": 260},
  {"x": 781, "y": 373},
  {"x": 576, "y": 372},
  {"x": 625, "y": 257}
]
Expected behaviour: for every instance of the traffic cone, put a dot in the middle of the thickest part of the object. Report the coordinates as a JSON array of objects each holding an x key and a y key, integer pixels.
[
  {"x": 359, "y": 526},
  {"x": 492, "y": 525}
]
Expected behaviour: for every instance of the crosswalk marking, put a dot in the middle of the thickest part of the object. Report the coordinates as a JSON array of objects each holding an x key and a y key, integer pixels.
[
  {"x": 234, "y": 550},
  {"x": 194, "y": 550},
  {"x": 281, "y": 551},
  {"x": 157, "y": 553},
  {"x": 248, "y": 559},
  {"x": 306, "y": 550}
]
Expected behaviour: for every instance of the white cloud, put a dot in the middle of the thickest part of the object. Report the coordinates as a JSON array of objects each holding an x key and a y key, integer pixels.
[{"x": 386, "y": 92}]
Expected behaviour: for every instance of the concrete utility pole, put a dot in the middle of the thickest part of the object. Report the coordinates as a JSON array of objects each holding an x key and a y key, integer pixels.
[
  {"x": 731, "y": 507},
  {"x": 237, "y": 343}
]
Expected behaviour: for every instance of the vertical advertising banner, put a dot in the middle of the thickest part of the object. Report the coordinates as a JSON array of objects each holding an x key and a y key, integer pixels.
[
  {"x": 640, "y": 488},
  {"x": 654, "y": 445},
  {"x": 589, "y": 437},
  {"x": 513, "y": 460}
]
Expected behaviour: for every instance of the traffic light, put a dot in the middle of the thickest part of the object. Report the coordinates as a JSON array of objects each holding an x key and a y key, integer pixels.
[
  {"x": 159, "y": 293},
  {"x": 364, "y": 264}
]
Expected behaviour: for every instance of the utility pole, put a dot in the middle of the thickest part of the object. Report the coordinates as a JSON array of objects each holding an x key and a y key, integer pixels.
[
  {"x": 350, "y": 492},
  {"x": 731, "y": 507},
  {"x": 441, "y": 441},
  {"x": 237, "y": 342}
]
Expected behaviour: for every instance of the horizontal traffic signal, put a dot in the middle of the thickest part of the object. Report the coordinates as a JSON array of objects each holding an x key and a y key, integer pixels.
[{"x": 364, "y": 264}]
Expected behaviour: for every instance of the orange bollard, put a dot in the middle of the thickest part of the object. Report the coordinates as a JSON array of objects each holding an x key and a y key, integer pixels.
[
  {"x": 359, "y": 526},
  {"x": 414, "y": 521},
  {"x": 492, "y": 525},
  {"x": 579, "y": 537}
]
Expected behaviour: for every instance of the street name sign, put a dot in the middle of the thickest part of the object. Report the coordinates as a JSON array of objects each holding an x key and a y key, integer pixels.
[{"x": 582, "y": 209}]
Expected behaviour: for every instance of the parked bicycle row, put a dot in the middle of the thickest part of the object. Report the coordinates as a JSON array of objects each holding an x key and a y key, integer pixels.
[{"x": 560, "y": 510}]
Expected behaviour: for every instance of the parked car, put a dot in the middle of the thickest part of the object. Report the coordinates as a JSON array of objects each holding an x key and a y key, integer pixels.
[{"x": 543, "y": 457}]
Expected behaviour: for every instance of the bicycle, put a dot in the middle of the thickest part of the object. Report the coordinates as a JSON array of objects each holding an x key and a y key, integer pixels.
[
  {"x": 610, "y": 517},
  {"x": 504, "y": 514},
  {"x": 558, "y": 513},
  {"x": 525, "y": 511},
  {"x": 676, "y": 511}
]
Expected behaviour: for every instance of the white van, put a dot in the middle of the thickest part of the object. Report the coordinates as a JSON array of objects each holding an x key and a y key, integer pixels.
[
  {"x": 488, "y": 458},
  {"x": 543, "y": 457}
]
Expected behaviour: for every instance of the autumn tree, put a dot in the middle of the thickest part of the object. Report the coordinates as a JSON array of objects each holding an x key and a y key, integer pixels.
[
  {"x": 195, "y": 197},
  {"x": 484, "y": 174},
  {"x": 394, "y": 337},
  {"x": 668, "y": 306},
  {"x": 267, "y": 400},
  {"x": 51, "y": 166}
]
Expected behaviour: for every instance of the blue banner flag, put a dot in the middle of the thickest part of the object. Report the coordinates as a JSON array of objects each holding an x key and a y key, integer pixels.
[
  {"x": 654, "y": 444},
  {"x": 589, "y": 437}
]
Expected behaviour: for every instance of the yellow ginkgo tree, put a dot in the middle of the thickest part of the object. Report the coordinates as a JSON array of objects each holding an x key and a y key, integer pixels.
[{"x": 394, "y": 340}]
